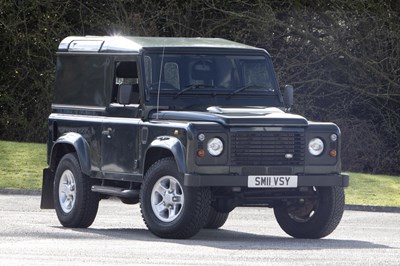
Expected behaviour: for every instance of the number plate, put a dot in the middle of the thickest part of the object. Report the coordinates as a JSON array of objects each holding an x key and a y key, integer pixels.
[{"x": 272, "y": 181}]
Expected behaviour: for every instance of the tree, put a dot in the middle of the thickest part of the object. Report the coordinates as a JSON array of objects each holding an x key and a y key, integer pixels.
[{"x": 343, "y": 57}]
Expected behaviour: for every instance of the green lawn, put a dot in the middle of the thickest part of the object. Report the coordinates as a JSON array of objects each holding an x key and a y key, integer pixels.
[
  {"x": 379, "y": 190},
  {"x": 21, "y": 167}
]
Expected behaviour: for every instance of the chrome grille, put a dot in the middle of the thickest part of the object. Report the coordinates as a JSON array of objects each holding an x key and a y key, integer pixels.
[{"x": 268, "y": 148}]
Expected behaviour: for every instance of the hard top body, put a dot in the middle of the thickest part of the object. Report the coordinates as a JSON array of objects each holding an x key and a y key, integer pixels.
[{"x": 134, "y": 44}]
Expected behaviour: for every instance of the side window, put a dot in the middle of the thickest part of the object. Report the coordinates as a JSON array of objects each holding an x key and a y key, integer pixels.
[
  {"x": 80, "y": 80},
  {"x": 126, "y": 74}
]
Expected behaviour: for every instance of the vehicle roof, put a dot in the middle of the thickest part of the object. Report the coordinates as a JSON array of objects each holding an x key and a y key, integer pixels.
[{"x": 133, "y": 44}]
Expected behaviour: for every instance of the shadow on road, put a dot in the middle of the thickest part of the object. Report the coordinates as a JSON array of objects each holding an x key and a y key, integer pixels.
[{"x": 223, "y": 239}]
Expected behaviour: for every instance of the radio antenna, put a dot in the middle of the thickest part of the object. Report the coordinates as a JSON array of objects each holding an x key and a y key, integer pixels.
[{"x": 159, "y": 81}]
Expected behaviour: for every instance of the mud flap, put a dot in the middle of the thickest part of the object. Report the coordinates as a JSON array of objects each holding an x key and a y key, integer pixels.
[{"x": 47, "y": 190}]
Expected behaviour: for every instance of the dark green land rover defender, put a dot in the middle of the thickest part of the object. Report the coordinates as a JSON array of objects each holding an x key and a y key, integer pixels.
[{"x": 189, "y": 128}]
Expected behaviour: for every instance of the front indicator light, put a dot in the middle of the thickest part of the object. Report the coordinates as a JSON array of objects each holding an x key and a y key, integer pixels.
[
  {"x": 200, "y": 153},
  {"x": 333, "y": 153}
]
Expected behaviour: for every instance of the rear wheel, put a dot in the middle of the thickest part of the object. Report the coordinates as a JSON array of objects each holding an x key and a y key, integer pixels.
[
  {"x": 216, "y": 219},
  {"x": 314, "y": 217},
  {"x": 76, "y": 205},
  {"x": 170, "y": 209}
]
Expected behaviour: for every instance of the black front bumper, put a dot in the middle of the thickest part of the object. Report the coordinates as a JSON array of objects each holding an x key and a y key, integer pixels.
[{"x": 322, "y": 180}]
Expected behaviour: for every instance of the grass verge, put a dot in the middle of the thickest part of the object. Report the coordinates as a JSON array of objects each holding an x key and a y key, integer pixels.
[
  {"x": 21, "y": 167},
  {"x": 377, "y": 190}
]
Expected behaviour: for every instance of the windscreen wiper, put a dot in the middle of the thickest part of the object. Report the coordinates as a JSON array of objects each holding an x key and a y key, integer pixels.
[
  {"x": 245, "y": 88},
  {"x": 193, "y": 86}
]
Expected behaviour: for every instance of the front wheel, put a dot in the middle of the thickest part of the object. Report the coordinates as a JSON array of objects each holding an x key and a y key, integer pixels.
[
  {"x": 76, "y": 205},
  {"x": 170, "y": 209},
  {"x": 315, "y": 216}
]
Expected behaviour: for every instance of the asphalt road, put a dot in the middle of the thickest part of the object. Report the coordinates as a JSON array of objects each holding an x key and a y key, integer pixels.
[{"x": 251, "y": 236}]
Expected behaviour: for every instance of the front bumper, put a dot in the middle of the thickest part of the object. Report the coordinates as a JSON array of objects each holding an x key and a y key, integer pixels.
[{"x": 321, "y": 180}]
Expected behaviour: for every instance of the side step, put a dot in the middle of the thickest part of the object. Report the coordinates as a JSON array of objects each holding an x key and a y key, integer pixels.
[{"x": 117, "y": 192}]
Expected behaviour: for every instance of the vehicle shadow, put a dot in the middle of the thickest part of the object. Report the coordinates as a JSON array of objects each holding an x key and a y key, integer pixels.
[{"x": 231, "y": 240}]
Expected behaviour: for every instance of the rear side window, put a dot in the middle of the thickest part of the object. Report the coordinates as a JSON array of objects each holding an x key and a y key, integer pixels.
[{"x": 81, "y": 80}]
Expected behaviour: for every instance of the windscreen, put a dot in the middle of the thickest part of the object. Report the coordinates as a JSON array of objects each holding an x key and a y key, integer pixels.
[{"x": 222, "y": 76}]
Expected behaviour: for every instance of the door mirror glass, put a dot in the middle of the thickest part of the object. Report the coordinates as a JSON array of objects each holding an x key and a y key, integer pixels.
[
  {"x": 288, "y": 96},
  {"x": 124, "y": 94}
]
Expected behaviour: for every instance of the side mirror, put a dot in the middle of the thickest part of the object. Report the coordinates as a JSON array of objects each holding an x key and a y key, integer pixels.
[
  {"x": 124, "y": 94},
  {"x": 288, "y": 96}
]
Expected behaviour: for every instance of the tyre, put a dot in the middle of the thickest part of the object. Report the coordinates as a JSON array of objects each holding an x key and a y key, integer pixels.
[
  {"x": 216, "y": 219},
  {"x": 317, "y": 215},
  {"x": 76, "y": 205},
  {"x": 170, "y": 209}
]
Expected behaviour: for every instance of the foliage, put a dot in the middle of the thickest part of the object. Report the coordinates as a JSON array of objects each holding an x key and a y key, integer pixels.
[{"x": 342, "y": 56}]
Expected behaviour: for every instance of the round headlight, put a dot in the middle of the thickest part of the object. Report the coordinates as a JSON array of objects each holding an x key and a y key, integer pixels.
[
  {"x": 316, "y": 146},
  {"x": 215, "y": 146}
]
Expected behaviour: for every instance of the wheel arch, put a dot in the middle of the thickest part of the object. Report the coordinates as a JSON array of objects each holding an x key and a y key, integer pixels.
[
  {"x": 71, "y": 142},
  {"x": 165, "y": 147}
]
